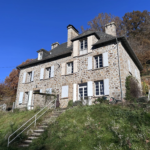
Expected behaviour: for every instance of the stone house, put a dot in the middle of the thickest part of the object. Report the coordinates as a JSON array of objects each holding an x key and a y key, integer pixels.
[{"x": 92, "y": 64}]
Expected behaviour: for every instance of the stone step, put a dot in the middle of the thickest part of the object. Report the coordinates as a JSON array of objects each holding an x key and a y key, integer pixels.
[
  {"x": 24, "y": 145},
  {"x": 32, "y": 137},
  {"x": 39, "y": 131},
  {"x": 28, "y": 141},
  {"x": 42, "y": 127},
  {"x": 36, "y": 134}
]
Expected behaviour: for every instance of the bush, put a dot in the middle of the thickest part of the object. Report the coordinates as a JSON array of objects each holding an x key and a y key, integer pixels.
[
  {"x": 70, "y": 103},
  {"x": 132, "y": 89},
  {"x": 101, "y": 100}
]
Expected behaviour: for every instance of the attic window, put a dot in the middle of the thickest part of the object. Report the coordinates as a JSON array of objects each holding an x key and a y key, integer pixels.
[
  {"x": 83, "y": 46},
  {"x": 40, "y": 55}
]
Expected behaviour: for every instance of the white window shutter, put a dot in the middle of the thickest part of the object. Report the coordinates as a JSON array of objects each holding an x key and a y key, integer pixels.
[
  {"x": 52, "y": 71},
  {"x": 90, "y": 88},
  {"x": 75, "y": 68},
  {"x": 64, "y": 91},
  {"x": 90, "y": 63},
  {"x": 74, "y": 92},
  {"x": 40, "y": 90},
  {"x": 105, "y": 59},
  {"x": 30, "y": 99},
  {"x": 42, "y": 73},
  {"x": 106, "y": 86},
  {"x": 63, "y": 69},
  {"x": 24, "y": 77},
  {"x": 32, "y": 76},
  {"x": 129, "y": 65},
  {"x": 20, "y": 97},
  {"x": 49, "y": 91},
  {"x": 75, "y": 48},
  {"x": 90, "y": 42}
]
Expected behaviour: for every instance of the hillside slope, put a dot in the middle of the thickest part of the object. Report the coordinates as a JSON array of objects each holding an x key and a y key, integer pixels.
[{"x": 97, "y": 127}]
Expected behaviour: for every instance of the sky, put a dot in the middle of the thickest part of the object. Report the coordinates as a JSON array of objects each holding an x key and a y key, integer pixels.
[{"x": 29, "y": 25}]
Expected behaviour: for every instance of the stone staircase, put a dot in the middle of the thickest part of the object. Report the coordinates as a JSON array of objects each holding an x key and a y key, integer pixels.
[{"x": 41, "y": 127}]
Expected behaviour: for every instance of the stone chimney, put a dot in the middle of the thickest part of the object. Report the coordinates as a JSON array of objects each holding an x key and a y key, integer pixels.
[
  {"x": 72, "y": 32},
  {"x": 110, "y": 28},
  {"x": 54, "y": 45}
]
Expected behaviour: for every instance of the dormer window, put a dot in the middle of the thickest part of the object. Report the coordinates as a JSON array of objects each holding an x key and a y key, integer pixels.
[
  {"x": 83, "y": 46},
  {"x": 40, "y": 55}
]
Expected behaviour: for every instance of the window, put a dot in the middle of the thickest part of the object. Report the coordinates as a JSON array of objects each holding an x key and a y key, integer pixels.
[
  {"x": 48, "y": 72},
  {"x": 70, "y": 68},
  {"x": 83, "y": 46},
  {"x": 98, "y": 61},
  {"x": 29, "y": 78},
  {"x": 99, "y": 88}
]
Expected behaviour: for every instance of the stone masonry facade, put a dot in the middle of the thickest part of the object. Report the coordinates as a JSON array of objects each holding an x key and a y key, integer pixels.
[{"x": 81, "y": 75}]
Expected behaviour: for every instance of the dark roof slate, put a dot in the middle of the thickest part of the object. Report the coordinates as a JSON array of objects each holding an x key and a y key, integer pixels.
[
  {"x": 57, "y": 51},
  {"x": 103, "y": 38}
]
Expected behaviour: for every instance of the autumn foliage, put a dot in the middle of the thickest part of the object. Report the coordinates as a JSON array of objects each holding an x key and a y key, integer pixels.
[
  {"x": 135, "y": 26},
  {"x": 9, "y": 87}
]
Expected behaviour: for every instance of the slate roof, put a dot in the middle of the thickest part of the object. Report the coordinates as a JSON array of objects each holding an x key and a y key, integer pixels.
[
  {"x": 103, "y": 38},
  {"x": 58, "y": 51}
]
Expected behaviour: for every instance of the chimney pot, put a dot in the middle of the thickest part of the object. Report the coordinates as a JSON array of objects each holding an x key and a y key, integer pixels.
[{"x": 54, "y": 45}]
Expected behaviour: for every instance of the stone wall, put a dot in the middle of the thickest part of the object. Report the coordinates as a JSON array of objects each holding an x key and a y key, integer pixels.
[
  {"x": 124, "y": 57},
  {"x": 110, "y": 72}
]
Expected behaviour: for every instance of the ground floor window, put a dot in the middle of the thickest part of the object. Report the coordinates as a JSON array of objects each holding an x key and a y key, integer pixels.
[
  {"x": 83, "y": 91},
  {"x": 99, "y": 88}
]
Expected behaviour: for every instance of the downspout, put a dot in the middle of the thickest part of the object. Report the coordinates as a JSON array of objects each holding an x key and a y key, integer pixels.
[{"x": 119, "y": 68}]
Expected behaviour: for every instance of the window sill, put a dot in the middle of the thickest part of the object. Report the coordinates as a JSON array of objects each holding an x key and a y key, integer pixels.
[
  {"x": 99, "y": 68},
  {"x": 69, "y": 74},
  {"x": 64, "y": 98},
  {"x": 28, "y": 82},
  {"x": 46, "y": 79}
]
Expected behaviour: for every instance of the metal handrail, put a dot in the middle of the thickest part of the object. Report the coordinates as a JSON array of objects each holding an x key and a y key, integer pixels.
[{"x": 35, "y": 119}]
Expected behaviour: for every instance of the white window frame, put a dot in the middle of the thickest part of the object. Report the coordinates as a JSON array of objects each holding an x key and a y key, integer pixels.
[
  {"x": 98, "y": 56},
  {"x": 41, "y": 55},
  {"x": 49, "y": 72},
  {"x": 30, "y": 76},
  {"x": 70, "y": 68},
  {"x": 84, "y": 49},
  {"x": 99, "y": 88}
]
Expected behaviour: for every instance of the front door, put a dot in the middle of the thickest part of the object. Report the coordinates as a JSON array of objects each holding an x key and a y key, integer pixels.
[{"x": 83, "y": 92}]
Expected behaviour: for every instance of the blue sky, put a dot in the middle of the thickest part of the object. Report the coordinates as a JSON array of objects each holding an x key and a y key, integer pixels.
[{"x": 29, "y": 25}]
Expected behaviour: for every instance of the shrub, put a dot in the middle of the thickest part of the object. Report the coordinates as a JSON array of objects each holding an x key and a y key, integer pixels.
[
  {"x": 132, "y": 89},
  {"x": 70, "y": 103},
  {"x": 100, "y": 100}
]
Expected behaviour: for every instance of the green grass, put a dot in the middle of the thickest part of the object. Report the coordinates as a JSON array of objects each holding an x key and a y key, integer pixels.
[
  {"x": 9, "y": 122},
  {"x": 97, "y": 127}
]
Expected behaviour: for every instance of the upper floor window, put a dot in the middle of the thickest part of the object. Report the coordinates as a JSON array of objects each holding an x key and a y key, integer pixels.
[
  {"x": 69, "y": 67},
  {"x": 29, "y": 77},
  {"x": 48, "y": 72},
  {"x": 99, "y": 88},
  {"x": 41, "y": 54},
  {"x": 98, "y": 61},
  {"x": 83, "y": 46}
]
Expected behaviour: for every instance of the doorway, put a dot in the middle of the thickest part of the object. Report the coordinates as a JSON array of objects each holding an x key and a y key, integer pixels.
[{"x": 83, "y": 93}]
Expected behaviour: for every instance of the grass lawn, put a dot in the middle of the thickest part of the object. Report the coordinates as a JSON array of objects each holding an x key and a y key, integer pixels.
[
  {"x": 9, "y": 122},
  {"x": 97, "y": 127}
]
